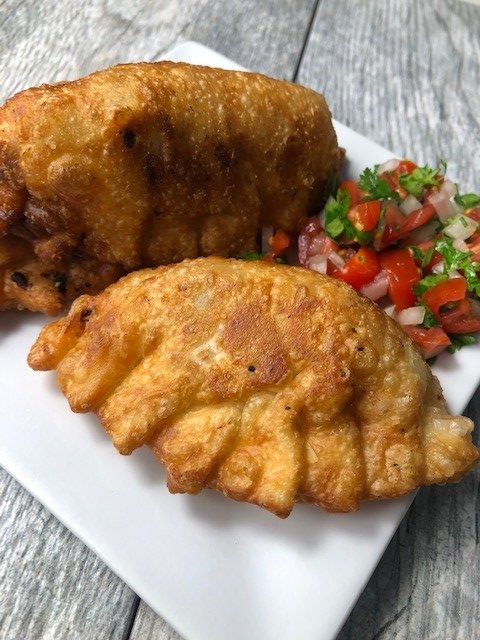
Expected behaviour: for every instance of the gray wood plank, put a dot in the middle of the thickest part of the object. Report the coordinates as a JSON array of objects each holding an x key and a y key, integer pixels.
[
  {"x": 149, "y": 626},
  {"x": 405, "y": 73},
  {"x": 51, "y": 586},
  {"x": 51, "y": 41}
]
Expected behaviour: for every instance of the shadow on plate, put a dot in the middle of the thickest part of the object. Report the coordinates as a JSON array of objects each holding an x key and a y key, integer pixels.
[{"x": 15, "y": 321}]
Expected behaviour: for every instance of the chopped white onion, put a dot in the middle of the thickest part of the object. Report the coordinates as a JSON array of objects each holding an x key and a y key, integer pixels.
[
  {"x": 461, "y": 228},
  {"x": 318, "y": 263},
  {"x": 267, "y": 233},
  {"x": 376, "y": 289},
  {"x": 411, "y": 316},
  {"x": 454, "y": 274},
  {"x": 460, "y": 245},
  {"x": 335, "y": 259},
  {"x": 457, "y": 208},
  {"x": 410, "y": 204},
  {"x": 390, "y": 311},
  {"x": 442, "y": 205},
  {"x": 389, "y": 165},
  {"x": 438, "y": 268},
  {"x": 321, "y": 218},
  {"x": 449, "y": 188}
]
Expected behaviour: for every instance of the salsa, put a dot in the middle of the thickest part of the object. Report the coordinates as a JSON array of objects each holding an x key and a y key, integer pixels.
[{"x": 405, "y": 237}]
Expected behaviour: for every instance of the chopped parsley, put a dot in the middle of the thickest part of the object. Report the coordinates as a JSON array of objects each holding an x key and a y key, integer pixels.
[
  {"x": 377, "y": 188},
  {"x": 429, "y": 319},
  {"x": 468, "y": 200},
  {"x": 460, "y": 340},
  {"x": 460, "y": 261},
  {"x": 428, "y": 282},
  {"x": 420, "y": 178},
  {"x": 336, "y": 211},
  {"x": 337, "y": 223},
  {"x": 251, "y": 255},
  {"x": 423, "y": 257}
]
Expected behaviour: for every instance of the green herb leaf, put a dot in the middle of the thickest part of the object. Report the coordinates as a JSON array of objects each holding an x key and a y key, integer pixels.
[
  {"x": 377, "y": 188},
  {"x": 460, "y": 340},
  {"x": 335, "y": 228},
  {"x": 336, "y": 211},
  {"x": 420, "y": 178},
  {"x": 423, "y": 257},
  {"x": 429, "y": 319},
  {"x": 251, "y": 255},
  {"x": 460, "y": 261},
  {"x": 337, "y": 223},
  {"x": 471, "y": 272},
  {"x": 468, "y": 200},
  {"x": 428, "y": 282},
  {"x": 427, "y": 258}
]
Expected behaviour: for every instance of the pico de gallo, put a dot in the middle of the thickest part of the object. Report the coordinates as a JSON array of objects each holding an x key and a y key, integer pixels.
[{"x": 404, "y": 236}]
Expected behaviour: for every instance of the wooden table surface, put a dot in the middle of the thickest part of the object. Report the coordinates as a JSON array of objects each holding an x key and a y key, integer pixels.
[{"x": 405, "y": 73}]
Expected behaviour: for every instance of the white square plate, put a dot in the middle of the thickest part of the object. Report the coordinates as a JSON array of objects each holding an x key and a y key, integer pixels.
[{"x": 213, "y": 568}]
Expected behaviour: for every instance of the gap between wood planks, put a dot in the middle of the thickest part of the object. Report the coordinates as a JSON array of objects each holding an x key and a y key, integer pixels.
[
  {"x": 132, "y": 618},
  {"x": 306, "y": 38}
]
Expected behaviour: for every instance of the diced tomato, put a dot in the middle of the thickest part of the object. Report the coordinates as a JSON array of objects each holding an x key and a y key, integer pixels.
[
  {"x": 452, "y": 290},
  {"x": 280, "y": 241},
  {"x": 392, "y": 180},
  {"x": 462, "y": 325},
  {"x": 429, "y": 191},
  {"x": 474, "y": 247},
  {"x": 269, "y": 257},
  {"x": 473, "y": 213},
  {"x": 353, "y": 189},
  {"x": 392, "y": 177},
  {"x": 392, "y": 222},
  {"x": 461, "y": 309},
  {"x": 460, "y": 318},
  {"x": 402, "y": 274},
  {"x": 431, "y": 341},
  {"x": 360, "y": 269},
  {"x": 403, "y": 193},
  {"x": 364, "y": 216},
  {"x": 415, "y": 219},
  {"x": 405, "y": 166}
]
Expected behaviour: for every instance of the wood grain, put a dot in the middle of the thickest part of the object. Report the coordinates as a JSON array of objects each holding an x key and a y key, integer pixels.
[
  {"x": 50, "y": 41},
  {"x": 51, "y": 586},
  {"x": 149, "y": 626},
  {"x": 406, "y": 74}
]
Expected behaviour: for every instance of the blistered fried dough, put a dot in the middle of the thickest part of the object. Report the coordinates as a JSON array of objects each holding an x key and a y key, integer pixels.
[
  {"x": 148, "y": 164},
  {"x": 272, "y": 384}
]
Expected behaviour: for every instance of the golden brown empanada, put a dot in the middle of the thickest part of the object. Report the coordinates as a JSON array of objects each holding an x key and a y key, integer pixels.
[
  {"x": 147, "y": 164},
  {"x": 272, "y": 384}
]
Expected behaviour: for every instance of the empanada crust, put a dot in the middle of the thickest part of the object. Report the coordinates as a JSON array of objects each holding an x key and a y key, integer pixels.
[
  {"x": 271, "y": 384},
  {"x": 147, "y": 164}
]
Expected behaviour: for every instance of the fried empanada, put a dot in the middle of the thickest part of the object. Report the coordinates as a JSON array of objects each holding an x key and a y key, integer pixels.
[
  {"x": 272, "y": 384},
  {"x": 148, "y": 164}
]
